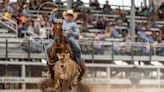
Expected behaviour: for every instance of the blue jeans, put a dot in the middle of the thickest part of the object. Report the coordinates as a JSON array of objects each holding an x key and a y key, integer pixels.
[
  {"x": 50, "y": 45},
  {"x": 76, "y": 47}
]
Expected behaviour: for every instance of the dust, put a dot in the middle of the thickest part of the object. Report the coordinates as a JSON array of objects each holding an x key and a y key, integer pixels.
[{"x": 47, "y": 85}]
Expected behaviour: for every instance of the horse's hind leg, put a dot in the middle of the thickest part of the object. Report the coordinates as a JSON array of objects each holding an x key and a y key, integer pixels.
[{"x": 82, "y": 72}]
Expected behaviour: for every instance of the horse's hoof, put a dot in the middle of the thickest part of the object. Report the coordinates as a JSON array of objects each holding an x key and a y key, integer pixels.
[
  {"x": 79, "y": 79},
  {"x": 74, "y": 83},
  {"x": 56, "y": 86}
]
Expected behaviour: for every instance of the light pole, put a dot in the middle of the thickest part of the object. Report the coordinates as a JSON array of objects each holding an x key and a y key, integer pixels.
[
  {"x": 132, "y": 26},
  {"x": 69, "y": 4}
]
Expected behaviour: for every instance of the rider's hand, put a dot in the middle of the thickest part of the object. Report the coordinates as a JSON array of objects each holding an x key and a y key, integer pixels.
[
  {"x": 69, "y": 32},
  {"x": 60, "y": 20}
]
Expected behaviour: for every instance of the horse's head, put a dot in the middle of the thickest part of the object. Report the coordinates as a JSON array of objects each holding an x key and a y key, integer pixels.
[{"x": 57, "y": 32}]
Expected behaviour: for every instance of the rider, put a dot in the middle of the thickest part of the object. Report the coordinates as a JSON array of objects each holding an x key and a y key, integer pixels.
[{"x": 71, "y": 31}]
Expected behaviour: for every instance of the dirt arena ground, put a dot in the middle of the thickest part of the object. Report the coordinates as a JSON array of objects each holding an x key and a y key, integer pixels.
[{"x": 47, "y": 86}]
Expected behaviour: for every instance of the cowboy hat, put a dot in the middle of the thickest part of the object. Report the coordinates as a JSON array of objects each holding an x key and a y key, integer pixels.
[{"x": 65, "y": 13}]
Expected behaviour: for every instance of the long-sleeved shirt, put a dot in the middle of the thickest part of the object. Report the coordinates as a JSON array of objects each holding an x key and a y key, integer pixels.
[
  {"x": 145, "y": 37},
  {"x": 70, "y": 25},
  {"x": 67, "y": 25}
]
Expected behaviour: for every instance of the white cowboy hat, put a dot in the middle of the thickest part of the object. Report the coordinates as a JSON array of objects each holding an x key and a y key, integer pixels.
[{"x": 70, "y": 12}]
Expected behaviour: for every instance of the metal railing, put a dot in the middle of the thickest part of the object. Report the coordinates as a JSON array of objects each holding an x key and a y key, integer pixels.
[
  {"x": 95, "y": 50},
  {"x": 9, "y": 23},
  {"x": 123, "y": 51},
  {"x": 21, "y": 49}
]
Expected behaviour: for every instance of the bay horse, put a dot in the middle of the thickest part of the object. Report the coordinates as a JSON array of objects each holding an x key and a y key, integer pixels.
[{"x": 61, "y": 63}]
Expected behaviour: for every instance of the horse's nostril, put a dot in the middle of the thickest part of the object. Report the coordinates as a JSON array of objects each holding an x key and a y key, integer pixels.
[{"x": 62, "y": 66}]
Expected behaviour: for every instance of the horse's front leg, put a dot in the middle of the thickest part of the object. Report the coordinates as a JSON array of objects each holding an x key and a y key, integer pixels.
[
  {"x": 70, "y": 84},
  {"x": 75, "y": 79},
  {"x": 57, "y": 84}
]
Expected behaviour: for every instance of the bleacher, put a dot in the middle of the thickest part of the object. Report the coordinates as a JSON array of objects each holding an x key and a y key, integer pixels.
[
  {"x": 96, "y": 14},
  {"x": 102, "y": 66}
]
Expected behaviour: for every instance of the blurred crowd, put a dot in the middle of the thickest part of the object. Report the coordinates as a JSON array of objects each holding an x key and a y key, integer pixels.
[{"x": 107, "y": 27}]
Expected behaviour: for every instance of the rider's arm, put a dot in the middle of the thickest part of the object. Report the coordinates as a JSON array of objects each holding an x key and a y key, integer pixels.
[
  {"x": 75, "y": 30},
  {"x": 53, "y": 19}
]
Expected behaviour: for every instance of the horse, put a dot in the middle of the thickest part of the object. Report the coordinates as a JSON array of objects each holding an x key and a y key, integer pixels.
[
  {"x": 61, "y": 63},
  {"x": 57, "y": 48}
]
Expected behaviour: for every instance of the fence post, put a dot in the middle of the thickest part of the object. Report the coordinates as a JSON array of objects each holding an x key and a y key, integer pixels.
[
  {"x": 112, "y": 53},
  {"x": 6, "y": 49},
  {"x": 132, "y": 51},
  {"x": 29, "y": 52},
  {"x": 93, "y": 52},
  {"x": 150, "y": 53}
]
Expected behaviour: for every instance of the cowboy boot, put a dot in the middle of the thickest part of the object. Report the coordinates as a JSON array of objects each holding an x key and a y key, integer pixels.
[{"x": 82, "y": 72}]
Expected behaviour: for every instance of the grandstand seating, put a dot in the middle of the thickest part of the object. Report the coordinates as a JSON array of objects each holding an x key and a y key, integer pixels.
[{"x": 111, "y": 51}]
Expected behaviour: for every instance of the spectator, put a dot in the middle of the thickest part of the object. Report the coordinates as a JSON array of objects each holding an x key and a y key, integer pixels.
[
  {"x": 7, "y": 4},
  {"x": 117, "y": 48},
  {"x": 43, "y": 32},
  {"x": 19, "y": 8},
  {"x": 161, "y": 7},
  {"x": 145, "y": 37},
  {"x": 145, "y": 11},
  {"x": 23, "y": 24},
  {"x": 37, "y": 26},
  {"x": 25, "y": 11},
  {"x": 114, "y": 32},
  {"x": 153, "y": 20},
  {"x": 101, "y": 23},
  {"x": 46, "y": 20},
  {"x": 31, "y": 46},
  {"x": 97, "y": 36},
  {"x": 108, "y": 32},
  {"x": 32, "y": 5},
  {"x": 97, "y": 45},
  {"x": 30, "y": 27},
  {"x": 127, "y": 49},
  {"x": 154, "y": 35},
  {"x": 20, "y": 28},
  {"x": 152, "y": 9},
  {"x": 94, "y": 3},
  {"x": 89, "y": 17},
  {"x": 7, "y": 15},
  {"x": 107, "y": 9},
  {"x": 58, "y": 2},
  {"x": 161, "y": 11},
  {"x": 43, "y": 22}
]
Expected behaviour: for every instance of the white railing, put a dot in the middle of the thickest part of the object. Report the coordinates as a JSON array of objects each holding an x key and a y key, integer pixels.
[{"x": 9, "y": 25}]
